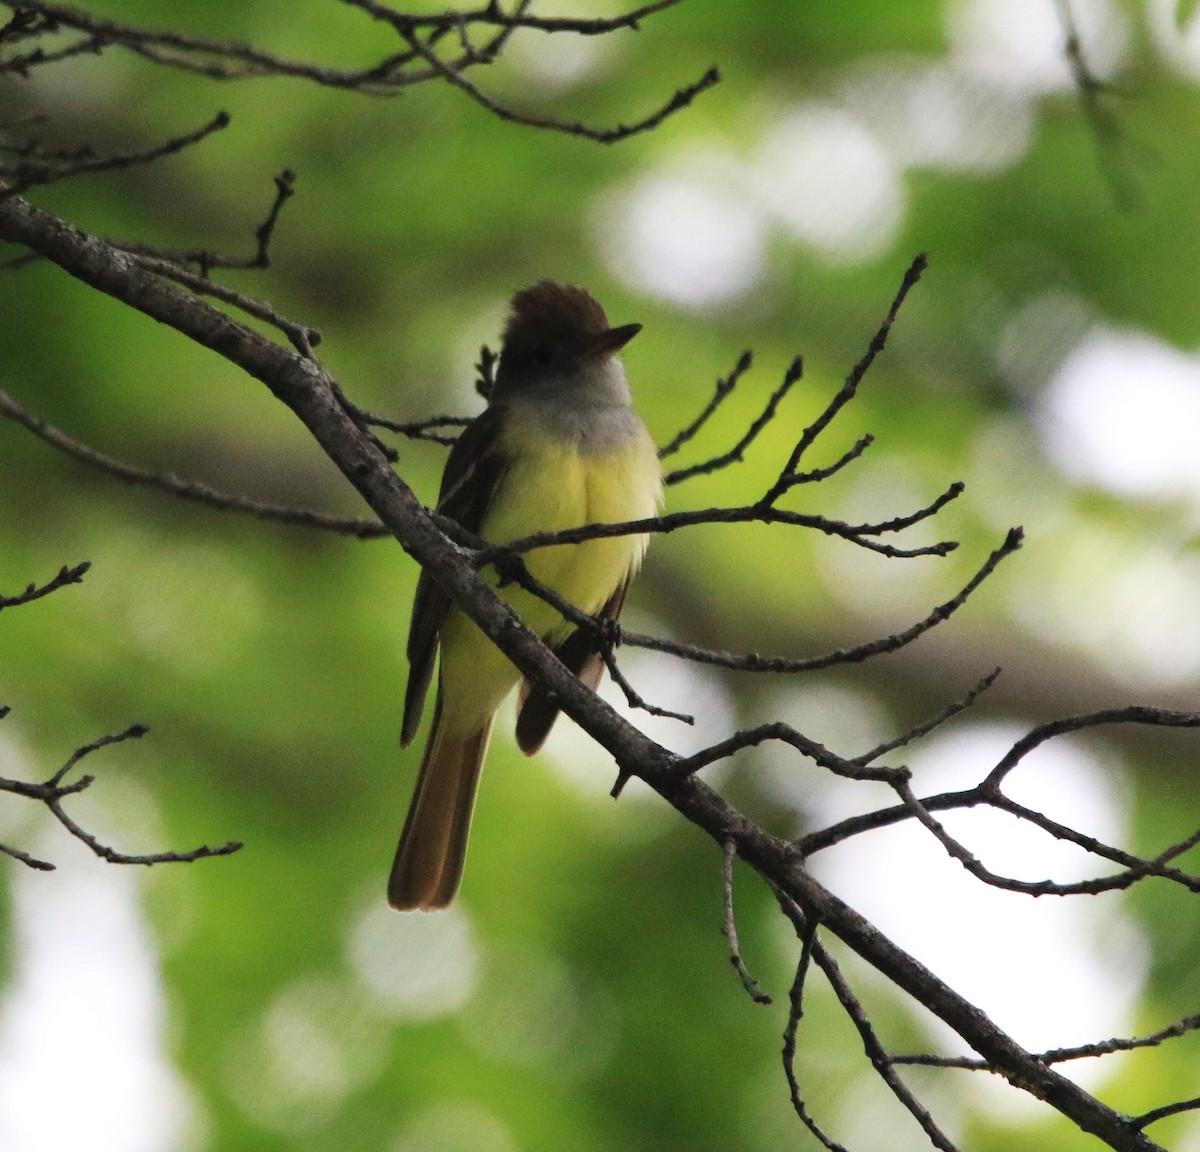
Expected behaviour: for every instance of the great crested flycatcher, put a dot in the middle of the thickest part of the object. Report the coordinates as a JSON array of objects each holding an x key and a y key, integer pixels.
[{"x": 557, "y": 447}]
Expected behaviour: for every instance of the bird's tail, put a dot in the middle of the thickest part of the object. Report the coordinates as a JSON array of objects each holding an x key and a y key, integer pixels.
[{"x": 433, "y": 845}]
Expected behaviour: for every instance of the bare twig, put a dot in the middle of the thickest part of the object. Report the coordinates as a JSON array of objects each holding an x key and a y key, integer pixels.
[
  {"x": 1112, "y": 145},
  {"x": 1061, "y": 1055},
  {"x": 632, "y": 696},
  {"x": 493, "y": 14},
  {"x": 725, "y": 387},
  {"x": 753, "y": 662},
  {"x": 1155, "y": 1114},
  {"x": 420, "y": 61},
  {"x": 987, "y": 793},
  {"x": 206, "y": 260},
  {"x": 454, "y": 76},
  {"x": 43, "y": 168},
  {"x": 64, "y": 577},
  {"x": 737, "y": 452},
  {"x": 876, "y": 1053},
  {"x": 53, "y": 791},
  {"x": 849, "y": 388},
  {"x": 419, "y": 429},
  {"x": 752, "y": 986},
  {"x": 859, "y": 534},
  {"x": 185, "y": 489},
  {"x": 806, "y": 933},
  {"x": 302, "y": 337},
  {"x": 927, "y": 726},
  {"x": 785, "y": 733}
]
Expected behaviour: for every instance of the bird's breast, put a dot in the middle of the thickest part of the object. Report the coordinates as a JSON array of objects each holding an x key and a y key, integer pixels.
[{"x": 570, "y": 473}]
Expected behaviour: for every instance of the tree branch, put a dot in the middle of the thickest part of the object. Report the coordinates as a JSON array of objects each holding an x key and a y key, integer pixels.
[{"x": 313, "y": 397}]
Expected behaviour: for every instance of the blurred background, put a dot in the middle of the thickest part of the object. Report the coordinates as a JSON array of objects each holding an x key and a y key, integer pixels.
[{"x": 579, "y": 995}]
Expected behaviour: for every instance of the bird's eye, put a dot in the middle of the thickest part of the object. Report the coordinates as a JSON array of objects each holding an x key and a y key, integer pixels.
[{"x": 542, "y": 355}]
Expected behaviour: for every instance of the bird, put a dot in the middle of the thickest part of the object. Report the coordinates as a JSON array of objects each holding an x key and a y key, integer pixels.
[{"x": 558, "y": 446}]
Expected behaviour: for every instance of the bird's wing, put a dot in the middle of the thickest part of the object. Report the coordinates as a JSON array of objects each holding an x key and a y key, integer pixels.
[
  {"x": 581, "y": 655},
  {"x": 473, "y": 471}
]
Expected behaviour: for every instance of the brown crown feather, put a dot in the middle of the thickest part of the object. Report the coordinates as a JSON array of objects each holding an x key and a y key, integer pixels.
[{"x": 554, "y": 312}]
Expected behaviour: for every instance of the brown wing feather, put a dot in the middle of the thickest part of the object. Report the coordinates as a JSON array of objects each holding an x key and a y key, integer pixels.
[
  {"x": 581, "y": 655},
  {"x": 473, "y": 470}
]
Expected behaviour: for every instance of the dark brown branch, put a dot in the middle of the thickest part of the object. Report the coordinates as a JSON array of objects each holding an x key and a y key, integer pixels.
[
  {"x": 1133, "y": 714},
  {"x": 40, "y": 168},
  {"x": 744, "y": 514},
  {"x": 752, "y": 986},
  {"x": 632, "y": 696},
  {"x": 725, "y": 386},
  {"x": 302, "y": 337},
  {"x": 493, "y": 14},
  {"x": 53, "y": 791},
  {"x": 753, "y": 662},
  {"x": 191, "y": 490},
  {"x": 608, "y": 633},
  {"x": 927, "y": 726},
  {"x": 1156, "y": 1114},
  {"x": 418, "y": 63},
  {"x": 206, "y": 260},
  {"x": 1061, "y": 1055},
  {"x": 23, "y": 64},
  {"x": 806, "y": 932},
  {"x": 816, "y": 475},
  {"x": 454, "y": 76},
  {"x": 875, "y": 1051},
  {"x": 64, "y": 577},
  {"x": 988, "y": 793},
  {"x": 217, "y": 59},
  {"x": 313, "y": 398},
  {"x": 850, "y": 388},
  {"x": 25, "y": 858},
  {"x": 899, "y": 523},
  {"x": 736, "y": 454},
  {"x": 25, "y": 24},
  {"x": 785, "y": 733},
  {"x": 418, "y": 429}
]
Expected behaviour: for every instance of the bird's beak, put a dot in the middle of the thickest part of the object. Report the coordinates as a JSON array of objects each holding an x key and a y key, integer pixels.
[{"x": 606, "y": 343}]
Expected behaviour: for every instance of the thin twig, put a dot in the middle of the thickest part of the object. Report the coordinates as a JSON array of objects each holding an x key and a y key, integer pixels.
[
  {"x": 303, "y": 337},
  {"x": 753, "y": 662},
  {"x": 64, "y": 577},
  {"x": 632, "y": 696},
  {"x": 1061, "y": 1055},
  {"x": 185, "y": 489},
  {"x": 493, "y": 14},
  {"x": 206, "y": 260},
  {"x": 777, "y": 730},
  {"x": 806, "y": 933},
  {"x": 737, "y": 452},
  {"x": 742, "y": 514},
  {"x": 725, "y": 386},
  {"x": 876, "y": 1053},
  {"x": 418, "y": 429},
  {"x": 452, "y": 75},
  {"x": 53, "y": 791},
  {"x": 752, "y": 986},
  {"x": 927, "y": 726},
  {"x": 1155, "y": 1114},
  {"x": 850, "y": 387},
  {"x": 31, "y": 175}
]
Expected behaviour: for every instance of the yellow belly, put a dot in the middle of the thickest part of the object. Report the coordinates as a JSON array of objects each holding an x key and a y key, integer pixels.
[{"x": 552, "y": 487}]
